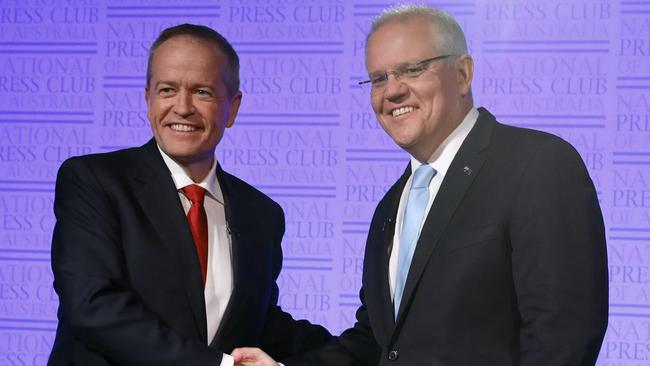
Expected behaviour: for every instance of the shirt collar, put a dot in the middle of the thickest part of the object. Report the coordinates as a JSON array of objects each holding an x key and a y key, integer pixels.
[
  {"x": 445, "y": 153},
  {"x": 182, "y": 180}
]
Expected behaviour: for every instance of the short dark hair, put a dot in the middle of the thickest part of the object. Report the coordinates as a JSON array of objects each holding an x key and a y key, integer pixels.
[{"x": 204, "y": 33}]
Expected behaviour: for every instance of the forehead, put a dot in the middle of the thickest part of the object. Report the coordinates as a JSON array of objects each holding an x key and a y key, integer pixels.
[
  {"x": 184, "y": 54},
  {"x": 400, "y": 41}
]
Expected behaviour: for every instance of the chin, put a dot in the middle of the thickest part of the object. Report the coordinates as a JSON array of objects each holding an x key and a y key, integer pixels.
[
  {"x": 177, "y": 152},
  {"x": 404, "y": 140}
]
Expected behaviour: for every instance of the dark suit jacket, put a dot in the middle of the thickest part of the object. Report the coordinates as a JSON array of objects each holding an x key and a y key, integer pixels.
[
  {"x": 128, "y": 277},
  {"x": 510, "y": 267}
]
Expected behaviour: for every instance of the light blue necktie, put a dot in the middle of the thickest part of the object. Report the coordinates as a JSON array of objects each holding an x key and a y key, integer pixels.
[{"x": 413, "y": 216}]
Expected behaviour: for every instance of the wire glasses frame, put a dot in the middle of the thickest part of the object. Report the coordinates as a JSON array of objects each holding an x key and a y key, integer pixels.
[{"x": 412, "y": 71}]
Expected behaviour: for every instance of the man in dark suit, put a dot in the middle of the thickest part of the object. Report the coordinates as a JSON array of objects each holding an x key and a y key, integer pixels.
[
  {"x": 492, "y": 251},
  {"x": 139, "y": 283}
]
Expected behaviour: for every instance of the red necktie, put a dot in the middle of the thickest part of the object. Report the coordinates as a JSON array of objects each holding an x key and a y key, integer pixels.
[{"x": 198, "y": 225}]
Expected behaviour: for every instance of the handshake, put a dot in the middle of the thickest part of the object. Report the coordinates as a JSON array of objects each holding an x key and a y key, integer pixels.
[{"x": 248, "y": 356}]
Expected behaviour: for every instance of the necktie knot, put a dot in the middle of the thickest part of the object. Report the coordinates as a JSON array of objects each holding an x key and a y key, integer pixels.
[
  {"x": 194, "y": 193},
  {"x": 422, "y": 176}
]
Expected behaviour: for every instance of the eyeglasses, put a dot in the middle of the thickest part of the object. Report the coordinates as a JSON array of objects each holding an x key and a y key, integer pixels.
[{"x": 379, "y": 80}]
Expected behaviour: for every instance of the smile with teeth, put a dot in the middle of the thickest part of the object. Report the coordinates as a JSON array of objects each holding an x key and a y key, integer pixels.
[
  {"x": 402, "y": 110},
  {"x": 182, "y": 128}
]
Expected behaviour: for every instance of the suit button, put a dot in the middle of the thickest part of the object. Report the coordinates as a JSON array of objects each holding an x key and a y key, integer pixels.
[{"x": 392, "y": 355}]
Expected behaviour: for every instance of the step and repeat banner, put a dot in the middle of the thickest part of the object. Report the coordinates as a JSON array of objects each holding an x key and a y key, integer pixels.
[{"x": 72, "y": 76}]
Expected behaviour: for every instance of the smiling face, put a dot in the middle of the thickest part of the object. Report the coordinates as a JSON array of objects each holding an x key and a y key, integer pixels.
[
  {"x": 419, "y": 113},
  {"x": 188, "y": 104}
]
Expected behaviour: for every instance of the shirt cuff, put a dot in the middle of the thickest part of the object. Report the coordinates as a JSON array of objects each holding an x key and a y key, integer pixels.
[{"x": 227, "y": 360}]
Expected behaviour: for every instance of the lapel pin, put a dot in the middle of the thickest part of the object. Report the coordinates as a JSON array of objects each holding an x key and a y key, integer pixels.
[{"x": 467, "y": 170}]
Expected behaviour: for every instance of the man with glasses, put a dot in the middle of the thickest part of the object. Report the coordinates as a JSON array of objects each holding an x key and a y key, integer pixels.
[{"x": 489, "y": 249}]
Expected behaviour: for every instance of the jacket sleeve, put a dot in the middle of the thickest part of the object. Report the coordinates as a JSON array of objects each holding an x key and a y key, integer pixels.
[
  {"x": 559, "y": 260},
  {"x": 354, "y": 347},
  {"x": 284, "y": 336}
]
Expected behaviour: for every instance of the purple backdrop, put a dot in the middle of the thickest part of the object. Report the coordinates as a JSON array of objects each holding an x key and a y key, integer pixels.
[{"x": 71, "y": 83}]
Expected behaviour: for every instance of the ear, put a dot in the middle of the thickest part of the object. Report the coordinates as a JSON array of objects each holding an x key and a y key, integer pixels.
[
  {"x": 235, "y": 102},
  {"x": 147, "y": 99},
  {"x": 465, "y": 73}
]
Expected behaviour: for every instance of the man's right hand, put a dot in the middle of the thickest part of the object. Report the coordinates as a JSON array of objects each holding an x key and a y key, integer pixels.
[{"x": 248, "y": 356}]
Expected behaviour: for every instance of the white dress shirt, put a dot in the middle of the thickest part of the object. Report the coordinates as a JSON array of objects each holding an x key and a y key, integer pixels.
[
  {"x": 440, "y": 161},
  {"x": 219, "y": 279}
]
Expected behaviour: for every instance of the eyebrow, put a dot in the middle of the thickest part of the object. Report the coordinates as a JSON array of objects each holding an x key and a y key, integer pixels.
[
  {"x": 400, "y": 65},
  {"x": 193, "y": 86},
  {"x": 158, "y": 83}
]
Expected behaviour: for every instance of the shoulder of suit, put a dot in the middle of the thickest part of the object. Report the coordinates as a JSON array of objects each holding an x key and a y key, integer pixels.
[
  {"x": 528, "y": 137},
  {"x": 252, "y": 193},
  {"x": 511, "y": 144},
  {"x": 123, "y": 157}
]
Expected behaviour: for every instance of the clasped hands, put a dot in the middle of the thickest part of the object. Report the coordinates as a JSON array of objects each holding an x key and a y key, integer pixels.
[{"x": 248, "y": 356}]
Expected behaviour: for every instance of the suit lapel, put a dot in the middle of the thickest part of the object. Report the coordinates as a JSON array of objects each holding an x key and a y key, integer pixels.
[
  {"x": 380, "y": 240},
  {"x": 462, "y": 171},
  {"x": 236, "y": 208},
  {"x": 158, "y": 197}
]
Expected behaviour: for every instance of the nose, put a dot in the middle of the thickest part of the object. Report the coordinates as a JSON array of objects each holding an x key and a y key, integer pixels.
[
  {"x": 395, "y": 89},
  {"x": 184, "y": 105}
]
